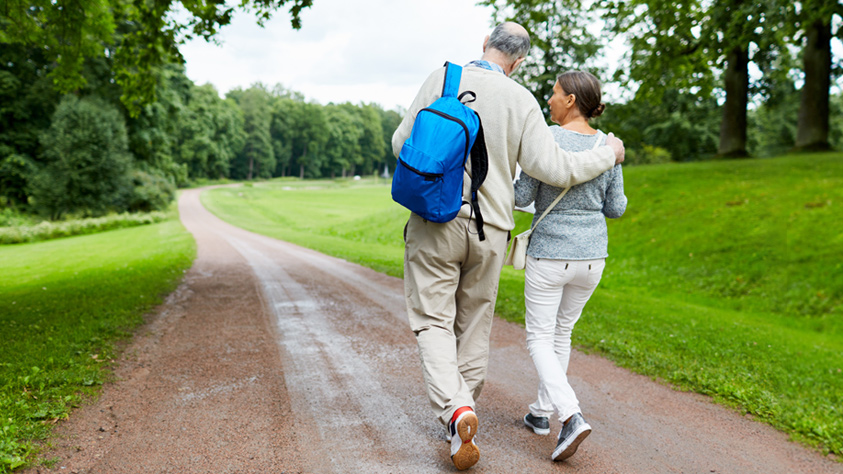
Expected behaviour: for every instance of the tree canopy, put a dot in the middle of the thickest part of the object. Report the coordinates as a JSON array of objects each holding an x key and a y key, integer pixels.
[{"x": 136, "y": 35}]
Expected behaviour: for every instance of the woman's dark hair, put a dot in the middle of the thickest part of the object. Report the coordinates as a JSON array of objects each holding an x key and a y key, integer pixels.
[{"x": 586, "y": 88}]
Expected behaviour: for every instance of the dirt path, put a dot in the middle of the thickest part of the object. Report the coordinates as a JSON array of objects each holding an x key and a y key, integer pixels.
[{"x": 271, "y": 358}]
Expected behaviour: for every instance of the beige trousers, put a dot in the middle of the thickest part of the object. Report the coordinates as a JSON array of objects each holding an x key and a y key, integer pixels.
[{"x": 450, "y": 285}]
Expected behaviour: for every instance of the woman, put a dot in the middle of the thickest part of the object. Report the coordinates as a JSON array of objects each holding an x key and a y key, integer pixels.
[{"x": 565, "y": 258}]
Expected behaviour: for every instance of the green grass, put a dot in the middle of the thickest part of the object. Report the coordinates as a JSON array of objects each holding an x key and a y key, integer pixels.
[
  {"x": 724, "y": 277},
  {"x": 64, "y": 306}
]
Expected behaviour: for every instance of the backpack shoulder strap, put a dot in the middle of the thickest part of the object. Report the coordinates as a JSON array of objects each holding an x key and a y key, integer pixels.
[
  {"x": 453, "y": 74},
  {"x": 479, "y": 170}
]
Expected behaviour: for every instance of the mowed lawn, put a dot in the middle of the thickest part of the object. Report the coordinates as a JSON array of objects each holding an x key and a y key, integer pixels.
[
  {"x": 724, "y": 277},
  {"x": 64, "y": 306}
]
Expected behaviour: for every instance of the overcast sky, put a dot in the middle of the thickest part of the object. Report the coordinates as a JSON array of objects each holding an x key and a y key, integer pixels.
[{"x": 357, "y": 51}]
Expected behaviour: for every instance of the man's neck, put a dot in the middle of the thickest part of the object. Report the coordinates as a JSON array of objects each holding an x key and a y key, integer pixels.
[{"x": 494, "y": 56}]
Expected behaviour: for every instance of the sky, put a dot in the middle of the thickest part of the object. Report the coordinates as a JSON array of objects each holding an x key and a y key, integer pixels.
[{"x": 372, "y": 51}]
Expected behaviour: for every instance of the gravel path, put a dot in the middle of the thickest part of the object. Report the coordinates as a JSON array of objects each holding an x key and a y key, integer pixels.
[{"x": 271, "y": 358}]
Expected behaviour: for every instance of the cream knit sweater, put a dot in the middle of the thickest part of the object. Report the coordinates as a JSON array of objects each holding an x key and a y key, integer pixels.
[{"x": 515, "y": 132}]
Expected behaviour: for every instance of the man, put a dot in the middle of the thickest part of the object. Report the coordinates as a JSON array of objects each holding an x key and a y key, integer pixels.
[{"x": 450, "y": 275}]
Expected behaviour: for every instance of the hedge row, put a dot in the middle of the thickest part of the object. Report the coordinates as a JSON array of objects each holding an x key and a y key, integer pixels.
[{"x": 53, "y": 230}]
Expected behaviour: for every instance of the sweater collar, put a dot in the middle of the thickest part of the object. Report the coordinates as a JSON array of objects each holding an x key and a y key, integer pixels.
[{"x": 485, "y": 65}]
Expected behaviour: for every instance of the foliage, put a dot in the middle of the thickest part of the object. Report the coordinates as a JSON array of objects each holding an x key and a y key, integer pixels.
[
  {"x": 647, "y": 155},
  {"x": 27, "y": 103},
  {"x": 46, "y": 230},
  {"x": 390, "y": 119},
  {"x": 210, "y": 133},
  {"x": 772, "y": 130},
  {"x": 86, "y": 149},
  {"x": 139, "y": 35},
  {"x": 60, "y": 327},
  {"x": 560, "y": 37},
  {"x": 257, "y": 157},
  {"x": 153, "y": 132},
  {"x": 151, "y": 191},
  {"x": 681, "y": 123},
  {"x": 722, "y": 276}
]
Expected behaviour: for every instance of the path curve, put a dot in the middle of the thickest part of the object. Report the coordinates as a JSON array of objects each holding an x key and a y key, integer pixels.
[{"x": 272, "y": 358}]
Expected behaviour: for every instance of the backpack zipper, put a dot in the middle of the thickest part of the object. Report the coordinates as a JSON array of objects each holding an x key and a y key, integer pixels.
[{"x": 427, "y": 176}]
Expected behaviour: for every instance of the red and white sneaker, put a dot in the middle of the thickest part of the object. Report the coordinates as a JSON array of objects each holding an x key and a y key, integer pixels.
[{"x": 463, "y": 427}]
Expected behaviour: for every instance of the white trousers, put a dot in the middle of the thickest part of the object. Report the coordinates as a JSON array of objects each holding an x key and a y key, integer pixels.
[{"x": 556, "y": 292}]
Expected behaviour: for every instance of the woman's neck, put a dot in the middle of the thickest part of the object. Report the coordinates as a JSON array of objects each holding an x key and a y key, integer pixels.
[{"x": 579, "y": 125}]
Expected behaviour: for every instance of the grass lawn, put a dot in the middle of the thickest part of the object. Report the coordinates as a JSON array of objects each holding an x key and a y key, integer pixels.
[
  {"x": 724, "y": 277},
  {"x": 64, "y": 305}
]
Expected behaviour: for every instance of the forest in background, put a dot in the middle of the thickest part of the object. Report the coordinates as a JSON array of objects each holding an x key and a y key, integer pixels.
[{"x": 97, "y": 115}]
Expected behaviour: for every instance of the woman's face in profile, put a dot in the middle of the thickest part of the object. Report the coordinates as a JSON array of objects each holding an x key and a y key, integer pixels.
[{"x": 560, "y": 103}]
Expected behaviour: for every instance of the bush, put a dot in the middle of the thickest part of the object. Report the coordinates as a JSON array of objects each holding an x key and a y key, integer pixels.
[
  {"x": 86, "y": 151},
  {"x": 647, "y": 155},
  {"x": 152, "y": 191},
  {"x": 53, "y": 230}
]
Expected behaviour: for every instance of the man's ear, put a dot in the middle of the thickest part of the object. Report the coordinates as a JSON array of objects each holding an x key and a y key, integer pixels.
[
  {"x": 485, "y": 42},
  {"x": 516, "y": 64}
]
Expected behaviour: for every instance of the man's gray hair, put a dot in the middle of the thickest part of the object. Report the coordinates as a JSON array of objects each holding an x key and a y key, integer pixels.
[{"x": 510, "y": 40}]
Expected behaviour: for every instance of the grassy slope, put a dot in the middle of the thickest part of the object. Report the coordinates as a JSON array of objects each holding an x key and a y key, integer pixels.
[
  {"x": 63, "y": 306},
  {"x": 724, "y": 277}
]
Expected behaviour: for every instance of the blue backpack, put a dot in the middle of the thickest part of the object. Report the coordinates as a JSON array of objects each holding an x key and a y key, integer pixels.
[{"x": 428, "y": 179}]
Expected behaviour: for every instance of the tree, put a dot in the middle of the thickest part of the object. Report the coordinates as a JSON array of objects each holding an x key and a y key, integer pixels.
[
  {"x": 283, "y": 129},
  {"x": 257, "y": 157},
  {"x": 210, "y": 133},
  {"x": 682, "y": 123},
  {"x": 310, "y": 138},
  {"x": 771, "y": 125},
  {"x": 344, "y": 136},
  {"x": 390, "y": 119},
  {"x": 27, "y": 103},
  {"x": 371, "y": 137},
  {"x": 139, "y": 34},
  {"x": 560, "y": 38},
  {"x": 684, "y": 45},
  {"x": 813, "y": 23},
  {"x": 88, "y": 163},
  {"x": 153, "y": 132}
]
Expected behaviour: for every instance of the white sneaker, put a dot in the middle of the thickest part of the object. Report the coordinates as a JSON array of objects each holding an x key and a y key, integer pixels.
[{"x": 464, "y": 453}]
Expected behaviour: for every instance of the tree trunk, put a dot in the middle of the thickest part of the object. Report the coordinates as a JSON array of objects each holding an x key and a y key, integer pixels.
[
  {"x": 251, "y": 166},
  {"x": 301, "y": 162},
  {"x": 733, "y": 124},
  {"x": 812, "y": 133}
]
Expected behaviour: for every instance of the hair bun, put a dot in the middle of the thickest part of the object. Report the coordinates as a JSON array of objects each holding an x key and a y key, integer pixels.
[{"x": 598, "y": 110}]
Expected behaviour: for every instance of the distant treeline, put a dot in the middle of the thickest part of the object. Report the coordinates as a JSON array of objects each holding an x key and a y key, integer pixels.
[{"x": 84, "y": 154}]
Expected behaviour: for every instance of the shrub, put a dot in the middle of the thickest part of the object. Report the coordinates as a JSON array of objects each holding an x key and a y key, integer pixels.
[
  {"x": 53, "y": 230},
  {"x": 152, "y": 191},
  {"x": 87, "y": 160},
  {"x": 647, "y": 155}
]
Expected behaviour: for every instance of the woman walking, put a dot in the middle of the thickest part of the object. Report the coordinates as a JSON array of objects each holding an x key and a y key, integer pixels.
[{"x": 565, "y": 258}]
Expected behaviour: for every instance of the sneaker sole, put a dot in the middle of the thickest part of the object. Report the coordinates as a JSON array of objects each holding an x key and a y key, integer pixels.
[
  {"x": 536, "y": 430},
  {"x": 469, "y": 453},
  {"x": 564, "y": 452}
]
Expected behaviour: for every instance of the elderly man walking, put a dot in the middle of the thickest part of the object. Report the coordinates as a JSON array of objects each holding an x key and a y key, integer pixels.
[{"x": 450, "y": 275}]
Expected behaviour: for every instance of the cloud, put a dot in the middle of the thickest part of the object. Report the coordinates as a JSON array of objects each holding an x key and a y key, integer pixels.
[{"x": 363, "y": 51}]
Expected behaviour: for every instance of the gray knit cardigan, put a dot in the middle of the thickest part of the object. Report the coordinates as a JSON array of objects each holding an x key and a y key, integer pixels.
[{"x": 575, "y": 229}]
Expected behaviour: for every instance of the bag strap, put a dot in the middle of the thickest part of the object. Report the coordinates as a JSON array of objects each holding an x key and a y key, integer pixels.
[
  {"x": 564, "y": 191},
  {"x": 479, "y": 170},
  {"x": 453, "y": 74}
]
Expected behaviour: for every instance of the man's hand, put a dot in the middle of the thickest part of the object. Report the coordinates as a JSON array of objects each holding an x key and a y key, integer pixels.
[{"x": 617, "y": 147}]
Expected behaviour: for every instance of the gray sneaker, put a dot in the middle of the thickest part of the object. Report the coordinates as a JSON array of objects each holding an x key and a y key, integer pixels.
[
  {"x": 570, "y": 437},
  {"x": 539, "y": 424}
]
